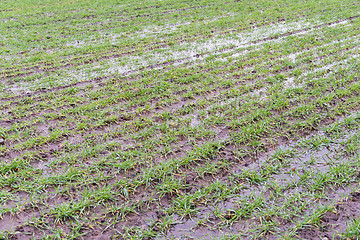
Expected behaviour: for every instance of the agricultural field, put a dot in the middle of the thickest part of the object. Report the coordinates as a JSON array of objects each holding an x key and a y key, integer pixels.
[{"x": 179, "y": 119}]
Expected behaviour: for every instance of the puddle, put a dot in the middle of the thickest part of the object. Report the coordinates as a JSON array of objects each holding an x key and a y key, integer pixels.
[
  {"x": 194, "y": 121},
  {"x": 339, "y": 23},
  {"x": 192, "y": 228},
  {"x": 76, "y": 43},
  {"x": 41, "y": 165}
]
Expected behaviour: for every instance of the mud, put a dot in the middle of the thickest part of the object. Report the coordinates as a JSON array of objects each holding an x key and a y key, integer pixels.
[
  {"x": 214, "y": 215},
  {"x": 335, "y": 222}
]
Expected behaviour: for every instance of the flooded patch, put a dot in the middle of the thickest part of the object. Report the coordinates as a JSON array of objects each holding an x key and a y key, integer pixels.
[
  {"x": 76, "y": 43},
  {"x": 291, "y": 83}
]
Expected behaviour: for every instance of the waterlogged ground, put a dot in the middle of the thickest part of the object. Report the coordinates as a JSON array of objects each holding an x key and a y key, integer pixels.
[{"x": 179, "y": 119}]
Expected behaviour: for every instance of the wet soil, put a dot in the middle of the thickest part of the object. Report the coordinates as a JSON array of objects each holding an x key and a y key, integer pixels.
[{"x": 206, "y": 223}]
